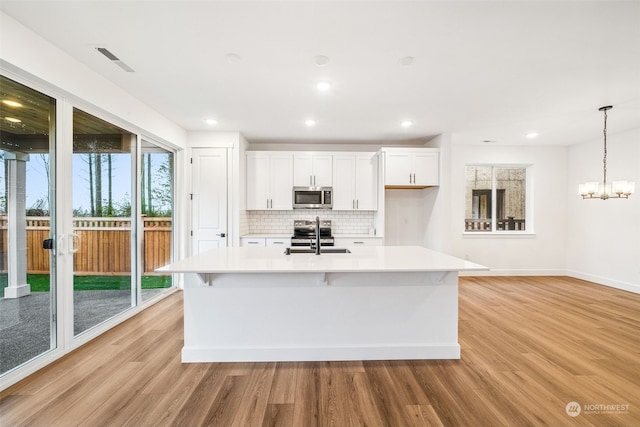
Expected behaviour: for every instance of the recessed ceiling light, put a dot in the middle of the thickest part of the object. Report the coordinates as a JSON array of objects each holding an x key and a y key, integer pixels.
[
  {"x": 13, "y": 120},
  {"x": 406, "y": 123},
  {"x": 321, "y": 60},
  {"x": 531, "y": 135},
  {"x": 11, "y": 103},
  {"x": 211, "y": 122},
  {"x": 310, "y": 122},
  {"x": 407, "y": 60},
  {"x": 323, "y": 85}
]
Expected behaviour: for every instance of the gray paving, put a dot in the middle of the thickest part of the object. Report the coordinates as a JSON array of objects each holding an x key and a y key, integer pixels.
[{"x": 25, "y": 326}]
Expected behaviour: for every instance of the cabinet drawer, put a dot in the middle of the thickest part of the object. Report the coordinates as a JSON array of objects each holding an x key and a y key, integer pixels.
[
  {"x": 354, "y": 241},
  {"x": 283, "y": 242},
  {"x": 252, "y": 241}
]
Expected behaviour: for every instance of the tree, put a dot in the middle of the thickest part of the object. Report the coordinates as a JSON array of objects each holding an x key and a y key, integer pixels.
[
  {"x": 98, "y": 198},
  {"x": 92, "y": 205},
  {"x": 163, "y": 188}
]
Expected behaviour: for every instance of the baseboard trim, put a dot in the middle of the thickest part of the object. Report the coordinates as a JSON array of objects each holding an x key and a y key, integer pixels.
[
  {"x": 505, "y": 272},
  {"x": 599, "y": 280},
  {"x": 625, "y": 286},
  {"x": 312, "y": 354}
]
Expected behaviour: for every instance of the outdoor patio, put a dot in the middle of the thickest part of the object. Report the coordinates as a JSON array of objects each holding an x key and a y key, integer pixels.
[
  {"x": 102, "y": 268},
  {"x": 25, "y": 325}
]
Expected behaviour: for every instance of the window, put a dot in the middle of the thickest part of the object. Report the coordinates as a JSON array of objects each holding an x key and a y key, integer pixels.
[{"x": 496, "y": 199}]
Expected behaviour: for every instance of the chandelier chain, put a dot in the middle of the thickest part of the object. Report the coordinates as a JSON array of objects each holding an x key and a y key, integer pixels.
[
  {"x": 604, "y": 191},
  {"x": 604, "y": 159}
]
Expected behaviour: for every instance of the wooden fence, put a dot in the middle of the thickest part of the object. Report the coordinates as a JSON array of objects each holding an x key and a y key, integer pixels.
[{"x": 104, "y": 245}]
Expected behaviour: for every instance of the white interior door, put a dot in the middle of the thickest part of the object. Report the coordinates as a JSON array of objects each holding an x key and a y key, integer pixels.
[{"x": 209, "y": 199}]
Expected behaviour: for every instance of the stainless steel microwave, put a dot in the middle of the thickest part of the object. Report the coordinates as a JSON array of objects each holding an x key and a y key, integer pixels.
[{"x": 312, "y": 198}]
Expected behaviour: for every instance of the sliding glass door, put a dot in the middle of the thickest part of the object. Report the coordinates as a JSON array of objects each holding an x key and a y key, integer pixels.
[
  {"x": 103, "y": 239},
  {"x": 113, "y": 194},
  {"x": 27, "y": 224},
  {"x": 156, "y": 204}
]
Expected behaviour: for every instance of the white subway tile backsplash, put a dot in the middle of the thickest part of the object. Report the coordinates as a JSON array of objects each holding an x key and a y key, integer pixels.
[{"x": 342, "y": 222}]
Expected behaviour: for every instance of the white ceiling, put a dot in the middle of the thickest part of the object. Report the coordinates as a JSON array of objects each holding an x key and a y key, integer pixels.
[{"x": 481, "y": 70}]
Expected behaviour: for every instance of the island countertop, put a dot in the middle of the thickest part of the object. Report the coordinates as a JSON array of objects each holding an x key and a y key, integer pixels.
[{"x": 372, "y": 259}]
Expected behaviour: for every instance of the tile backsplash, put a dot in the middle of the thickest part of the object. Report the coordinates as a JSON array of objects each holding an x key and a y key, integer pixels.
[{"x": 342, "y": 222}]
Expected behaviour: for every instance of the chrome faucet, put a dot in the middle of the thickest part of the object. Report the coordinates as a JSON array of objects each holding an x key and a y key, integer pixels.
[{"x": 317, "y": 235}]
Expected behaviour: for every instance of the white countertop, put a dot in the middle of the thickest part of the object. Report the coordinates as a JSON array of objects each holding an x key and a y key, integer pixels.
[
  {"x": 361, "y": 259},
  {"x": 284, "y": 235},
  {"x": 267, "y": 235}
]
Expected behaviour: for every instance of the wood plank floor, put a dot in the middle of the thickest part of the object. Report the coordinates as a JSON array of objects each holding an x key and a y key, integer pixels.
[{"x": 530, "y": 346}]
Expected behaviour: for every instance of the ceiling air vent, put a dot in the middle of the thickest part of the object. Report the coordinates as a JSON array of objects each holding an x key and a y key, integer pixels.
[{"x": 114, "y": 59}]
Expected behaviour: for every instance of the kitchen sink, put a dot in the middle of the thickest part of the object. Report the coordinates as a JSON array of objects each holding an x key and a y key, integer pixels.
[{"x": 290, "y": 251}]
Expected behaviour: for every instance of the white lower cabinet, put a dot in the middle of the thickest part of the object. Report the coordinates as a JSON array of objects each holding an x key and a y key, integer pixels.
[
  {"x": 357, "y": 241},
  {"x": 279, "y": 241},
  {"x": 253, "y": 241},
  {"x": 283, "y": 242}
]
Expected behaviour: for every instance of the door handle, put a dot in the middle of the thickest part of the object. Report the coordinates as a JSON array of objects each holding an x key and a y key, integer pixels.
[
  {"x": 222, "y": 235},
  {"x": 47, "y": 244},
  {"x": 74, "y": 238}
]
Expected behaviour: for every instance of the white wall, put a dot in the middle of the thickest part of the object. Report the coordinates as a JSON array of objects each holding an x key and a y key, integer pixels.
[
  {"x": 31, "y": 57},
  {"x": 543, "y": 253},
  {"x": 604, "y": 235}
]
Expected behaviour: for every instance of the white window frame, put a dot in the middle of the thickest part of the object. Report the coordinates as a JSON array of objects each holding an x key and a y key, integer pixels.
[{"x": 529, "y": 217}]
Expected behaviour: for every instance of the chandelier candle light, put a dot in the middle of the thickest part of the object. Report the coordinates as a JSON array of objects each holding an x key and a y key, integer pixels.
[{"x": 604, "y": 190}]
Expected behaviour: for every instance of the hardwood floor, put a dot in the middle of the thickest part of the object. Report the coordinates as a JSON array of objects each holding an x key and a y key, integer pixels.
[{"x": 530, "y": 346}]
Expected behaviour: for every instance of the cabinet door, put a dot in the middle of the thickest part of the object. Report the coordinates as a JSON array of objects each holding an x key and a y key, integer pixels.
[
  {"x": 258, "y": 197},
  {"x": 398, "y": 169},
  {"x": 314, "y": 170},
  {"x": 344, "y": 182},
  {"x": 425, "y": 168},
  {"x": 281, "y": 182},
  {"x": 302, "y": 170},
  {"x": 366, "y": 183},
  {"x": 322, "y": 170}
]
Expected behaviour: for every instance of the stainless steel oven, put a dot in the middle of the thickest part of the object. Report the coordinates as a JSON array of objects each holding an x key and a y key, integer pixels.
[{"x": 304, "y": 233}]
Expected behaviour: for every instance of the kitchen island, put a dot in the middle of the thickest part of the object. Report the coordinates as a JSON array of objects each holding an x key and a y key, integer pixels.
[{"x": 374, "y": 303}]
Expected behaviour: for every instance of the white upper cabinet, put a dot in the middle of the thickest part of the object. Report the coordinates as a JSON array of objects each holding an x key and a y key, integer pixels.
[
  {"x": 269, "y": 181},
  {"x": 411, "y": 167},
  {"x": 312, "y": 169},
  {"x": 355, "y": 181}
]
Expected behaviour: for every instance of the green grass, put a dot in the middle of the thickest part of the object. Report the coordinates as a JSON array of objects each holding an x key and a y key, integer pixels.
[{"x": 40, "y": 282}]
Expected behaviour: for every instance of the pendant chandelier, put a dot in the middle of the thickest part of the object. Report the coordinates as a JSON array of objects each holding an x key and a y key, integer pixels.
[{"x": 604, "y": 190}]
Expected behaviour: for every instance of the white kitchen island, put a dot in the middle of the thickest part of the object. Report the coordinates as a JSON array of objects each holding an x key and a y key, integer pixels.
[{"x": 375, "y": 303}]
